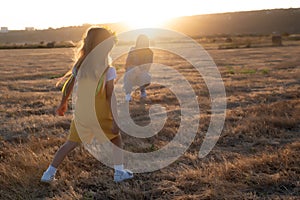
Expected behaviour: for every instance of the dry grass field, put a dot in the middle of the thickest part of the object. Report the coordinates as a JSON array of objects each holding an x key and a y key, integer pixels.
[{"x": 256, "y": 157}]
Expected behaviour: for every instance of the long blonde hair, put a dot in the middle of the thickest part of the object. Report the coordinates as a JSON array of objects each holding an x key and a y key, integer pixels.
[
  {"x": 92, "y": 37},
  {"x": 142, "y": 42}
]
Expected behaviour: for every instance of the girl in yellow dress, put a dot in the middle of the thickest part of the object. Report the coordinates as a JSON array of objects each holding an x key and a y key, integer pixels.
[{"x": 93, "y": 37}]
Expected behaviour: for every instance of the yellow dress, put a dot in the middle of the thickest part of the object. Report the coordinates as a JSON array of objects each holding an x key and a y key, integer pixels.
[{"x": 103, "y": 113}]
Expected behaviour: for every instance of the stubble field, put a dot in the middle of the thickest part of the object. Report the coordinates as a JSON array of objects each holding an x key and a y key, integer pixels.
[{"x": 256, "y": 157}]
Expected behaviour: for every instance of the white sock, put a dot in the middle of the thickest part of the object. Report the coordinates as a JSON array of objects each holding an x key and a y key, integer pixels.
[
  {"x": 51, "y": 170},
  {"x": 119, "y": 167}
]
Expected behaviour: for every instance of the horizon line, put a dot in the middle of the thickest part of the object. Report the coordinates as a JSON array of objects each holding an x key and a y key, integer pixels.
[{"x": 123, "y": 22}]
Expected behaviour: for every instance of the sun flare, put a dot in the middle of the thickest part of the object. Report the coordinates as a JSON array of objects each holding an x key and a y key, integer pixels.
[{"x": 147, "y": 22}]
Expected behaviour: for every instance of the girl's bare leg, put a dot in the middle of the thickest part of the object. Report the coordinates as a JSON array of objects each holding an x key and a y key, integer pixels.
[
  {"x": 117, "y": 154},
  {"x": 63, "y": 151},
  {"x": 120, "y": 174}
]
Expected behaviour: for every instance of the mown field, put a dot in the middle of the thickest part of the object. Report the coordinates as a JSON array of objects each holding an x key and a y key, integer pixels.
[{"x": 256, "y": 157}]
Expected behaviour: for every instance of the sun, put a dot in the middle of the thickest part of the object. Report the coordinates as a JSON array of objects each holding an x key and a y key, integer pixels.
[
  {"x": 136, "y": 14},
  {"x": 147, "y": 22}
]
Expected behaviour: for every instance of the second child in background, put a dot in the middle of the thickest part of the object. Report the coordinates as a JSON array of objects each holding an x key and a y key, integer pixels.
[{"x": 138, "y": 63}]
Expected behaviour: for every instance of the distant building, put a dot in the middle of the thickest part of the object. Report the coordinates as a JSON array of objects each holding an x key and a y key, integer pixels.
[
  {"x": 4, "y": 29},
  {"x": 29, "y": 29}
]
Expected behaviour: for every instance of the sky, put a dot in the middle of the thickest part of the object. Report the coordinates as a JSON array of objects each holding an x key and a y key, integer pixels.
[{"x": 18, "y": 14}]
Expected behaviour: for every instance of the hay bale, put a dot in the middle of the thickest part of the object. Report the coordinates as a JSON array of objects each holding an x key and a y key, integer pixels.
[
  {"x": 277, "y": 40},
  {"x": 51, "y": 44}
]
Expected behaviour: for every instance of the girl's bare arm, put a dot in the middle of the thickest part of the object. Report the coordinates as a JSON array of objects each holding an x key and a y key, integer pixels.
[
  {"x": 62, "y": 108},
  {"x": 68, "y": 90},
  {"x": 111, "y": 102}
]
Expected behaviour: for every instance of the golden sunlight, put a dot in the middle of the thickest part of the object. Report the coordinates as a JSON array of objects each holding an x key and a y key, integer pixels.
[
  {"x": 148, "y": 15},
  {"x": 144, "y": 22}
]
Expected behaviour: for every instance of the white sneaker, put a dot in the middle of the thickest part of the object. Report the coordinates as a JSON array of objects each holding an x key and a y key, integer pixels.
[
  {"x": 47, "y": 177},
  {"x": 121, "y": 175},
  {"x": 128, "y": 97}
]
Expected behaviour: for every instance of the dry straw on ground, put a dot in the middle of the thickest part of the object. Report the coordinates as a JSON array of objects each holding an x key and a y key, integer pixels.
[{"x": 257, "y": 156}]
